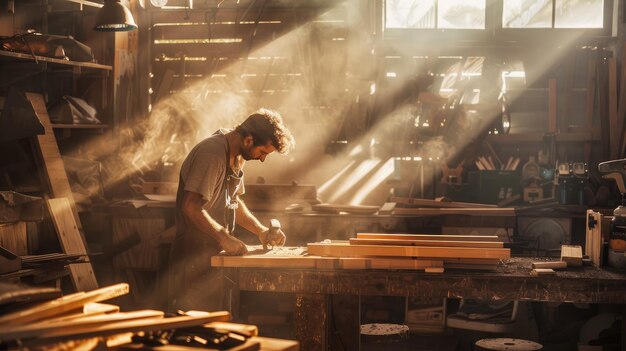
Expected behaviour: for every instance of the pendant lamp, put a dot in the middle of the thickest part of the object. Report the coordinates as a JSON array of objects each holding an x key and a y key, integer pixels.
[{"x": 114, "y": 17}]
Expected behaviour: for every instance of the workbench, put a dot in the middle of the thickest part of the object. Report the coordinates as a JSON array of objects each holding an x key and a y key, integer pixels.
[{"x": 315, "y": 290}]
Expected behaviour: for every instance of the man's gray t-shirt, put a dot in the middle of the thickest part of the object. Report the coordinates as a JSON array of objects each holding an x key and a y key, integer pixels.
[{"x": 204, "y": 172}]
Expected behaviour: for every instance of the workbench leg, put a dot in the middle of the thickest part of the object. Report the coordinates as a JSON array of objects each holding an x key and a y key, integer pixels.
[
  {"x": 623, "y": 346},
  {"x": 311, "y": 321},
  {"x": 344, "y": 315},
  {"x": 231, "y": 298}
]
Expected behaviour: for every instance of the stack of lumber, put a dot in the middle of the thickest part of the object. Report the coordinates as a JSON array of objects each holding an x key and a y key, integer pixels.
[
  {"x": 82, "y": 321},
  {"x": 441, "y": 251}
]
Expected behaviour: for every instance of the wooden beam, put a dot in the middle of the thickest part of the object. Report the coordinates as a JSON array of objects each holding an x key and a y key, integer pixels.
[
  {"x": 621, "y": 104},
  {"x": 83, "y": 276},
  {"x": 589, "y": 105},
  {"x": 51, "y": 159},
  {"x": 427, "y": 237},
  {"x": 552, "y": 106},
  {"x": 613, "y": 122},
  {"x": 439, "y": 243},
  {"x": 593, "y": 237},
  {"x": 550, "y": 264}
]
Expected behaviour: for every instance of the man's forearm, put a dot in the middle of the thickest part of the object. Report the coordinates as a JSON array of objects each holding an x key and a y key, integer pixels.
[
  {"x": 202, "y": 221},
  {"x": 246, "y": 219}
]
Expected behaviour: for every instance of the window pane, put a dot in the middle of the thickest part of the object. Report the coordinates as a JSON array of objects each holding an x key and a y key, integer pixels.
[
  {"x": 527, "y": 14},
  {"x": 461, "y": 14},
  {"x": 410, "y": 14},
  {"x": 579, "y": 13}
]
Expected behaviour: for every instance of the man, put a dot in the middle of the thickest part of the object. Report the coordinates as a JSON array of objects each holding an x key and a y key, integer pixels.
[{"x": 208, "y": 206}]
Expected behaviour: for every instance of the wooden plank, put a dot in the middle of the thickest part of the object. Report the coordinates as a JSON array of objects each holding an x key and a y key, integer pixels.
[
  {"x": 90, "y": 309},
  {"x": 603, "y": 108},
  {"x": 333, "y": 263},
  {"x": 133, "y": 326},
  {"x": 502, "y": 211},
  {"x": 13, "y": 238},
  {"x": 347, "y": 250},
  {"x": 427, "y": 237},
  {"x": 572, "y": 254},
  {"x": 35, "y": 330},
  {"x": 552, "y": 106},
  {"x": 613, "y": 122},
  {"x": 355, "y": 209},
  {"x": 63, "y": 304},
  {"x": 621, "y": 102},
  {"x": 71, "y": 242},
  {"x": 550, "y": 265},
  {"x": 220, "y": 30},
  {"x": 565, "y": 104},
  {"x": 593, "y": 237},
  {"x": 51, "y": 157},
  {"x": 542, "y": 271},
  {"x": 439, "y": 243},
  {"x": 589, "y": 104},
  {"x": 437, "y": 203},
  {"x": 200, "y": 18}
]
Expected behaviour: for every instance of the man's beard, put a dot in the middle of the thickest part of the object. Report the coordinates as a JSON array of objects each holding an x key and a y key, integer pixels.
[{"x": 247, "y": 153}]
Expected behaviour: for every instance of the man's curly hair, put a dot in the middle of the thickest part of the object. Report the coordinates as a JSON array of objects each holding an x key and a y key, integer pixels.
[{"x": 267, "y": 125}]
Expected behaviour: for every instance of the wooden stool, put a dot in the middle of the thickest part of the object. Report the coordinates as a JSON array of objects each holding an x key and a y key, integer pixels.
[{"x": 507, "y": 344}]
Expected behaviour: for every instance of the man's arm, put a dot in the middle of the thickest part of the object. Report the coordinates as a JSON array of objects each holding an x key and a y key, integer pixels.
[
  {"x": 201, "y": 220},
  {"x": 246, "y": 219}
]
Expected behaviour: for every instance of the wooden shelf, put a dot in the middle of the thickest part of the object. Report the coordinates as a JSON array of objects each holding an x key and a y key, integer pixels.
[
  {"x": 79, "y": 126},
  {"x": 86, "y": 3},
  {"x": 538, "y": 138},
  {"x": 21, "y": 56}
]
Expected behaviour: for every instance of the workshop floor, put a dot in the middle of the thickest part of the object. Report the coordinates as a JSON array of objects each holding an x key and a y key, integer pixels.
[{"x": 444, "y": 342}]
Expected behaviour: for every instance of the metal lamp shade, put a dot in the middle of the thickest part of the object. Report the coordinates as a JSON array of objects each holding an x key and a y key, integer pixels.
[{"x": 114, "y": 17}]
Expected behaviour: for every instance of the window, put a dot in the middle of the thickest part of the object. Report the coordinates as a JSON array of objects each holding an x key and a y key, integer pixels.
[
  {"x": 441, "y": 14},
  {"x": 539, "y": 13}
]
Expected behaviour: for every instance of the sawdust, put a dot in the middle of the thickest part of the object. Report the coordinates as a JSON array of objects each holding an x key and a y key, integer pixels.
[{"x": 279, "y": 251}]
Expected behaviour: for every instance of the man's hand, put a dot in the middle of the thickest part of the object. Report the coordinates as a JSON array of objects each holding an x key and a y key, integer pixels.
[
  {"x": 233, "y": 246},
  {"x": 273, "y": 237}
]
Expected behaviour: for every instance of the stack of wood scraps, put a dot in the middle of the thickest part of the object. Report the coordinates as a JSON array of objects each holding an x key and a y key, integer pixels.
[
  {"x": 571, "y": 256},
  {"x": 80, "y": 320},
  {"x": 440, "y": 251}
]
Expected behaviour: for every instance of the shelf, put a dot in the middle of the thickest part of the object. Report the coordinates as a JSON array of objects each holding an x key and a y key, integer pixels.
[
  {"x": 79, "y": 126},
  {"x": 29, "y": 57},
  {"x": 86, "y": 3},
  {"x": 538, "y": 137}
]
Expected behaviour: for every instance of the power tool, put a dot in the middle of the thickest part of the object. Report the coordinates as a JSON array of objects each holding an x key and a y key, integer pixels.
[
  {"x": 616, "y": 170},
  {"x": 274, "y": 227}
]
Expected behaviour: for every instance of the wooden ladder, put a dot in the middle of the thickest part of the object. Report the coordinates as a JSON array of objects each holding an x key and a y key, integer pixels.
[{"x": 61, "y": 206}]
